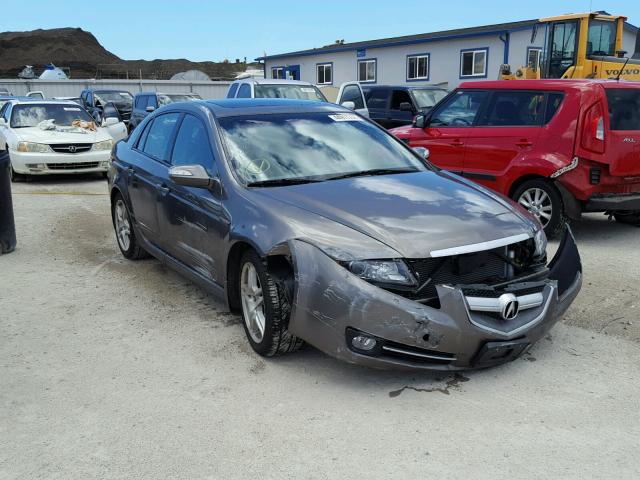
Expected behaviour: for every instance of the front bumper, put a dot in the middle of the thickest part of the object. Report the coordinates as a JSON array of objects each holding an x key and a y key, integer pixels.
[
  {"x": 613, "y": 202},
  {"x": 31, "y": 163},
  {"x": 332, "y": 305}
]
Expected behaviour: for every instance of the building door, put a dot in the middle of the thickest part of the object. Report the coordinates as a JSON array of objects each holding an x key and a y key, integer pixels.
[{"x": 292, "y": 72}]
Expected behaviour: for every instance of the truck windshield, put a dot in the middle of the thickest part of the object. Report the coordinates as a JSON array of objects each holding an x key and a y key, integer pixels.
[
  {"x": 624, "y": 108},
  {"x": 296, "y": 92},
  {"x": 427, "y": 98},
  {"x": 563, "y": 48},
  {"x": 602, "y": 38}
]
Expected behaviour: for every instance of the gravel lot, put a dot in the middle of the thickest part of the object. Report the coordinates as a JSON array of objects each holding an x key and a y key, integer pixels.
[{"x": 114, "y": 369}]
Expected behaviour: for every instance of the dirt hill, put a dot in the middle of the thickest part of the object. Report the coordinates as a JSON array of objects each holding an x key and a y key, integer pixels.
[{"x": 81, "y": 56}]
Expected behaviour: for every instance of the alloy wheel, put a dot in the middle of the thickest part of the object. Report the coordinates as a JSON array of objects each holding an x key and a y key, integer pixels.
[
  {"x": 252, "y": 302},
  {"x": 538, "y": 202},
  {"x": 123, "y": 225}
]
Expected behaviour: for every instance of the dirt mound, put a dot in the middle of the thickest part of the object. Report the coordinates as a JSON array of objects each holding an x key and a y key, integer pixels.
[{"x": 80, "y": 55}]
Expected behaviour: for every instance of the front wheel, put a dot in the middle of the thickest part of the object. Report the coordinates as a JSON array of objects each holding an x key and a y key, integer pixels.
[
  {"x": 265, "y": 309},
  {"x": 544, "y": 202},
  {"x": 127, "y": 241}
]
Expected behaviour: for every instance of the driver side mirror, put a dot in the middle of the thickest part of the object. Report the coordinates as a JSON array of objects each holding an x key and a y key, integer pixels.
[
  {"x": 150, "y": 108},
  {"x": 109, "y": 121},
  {"x": 348, "y": 104},
  {"x": 191, "y": 176},
  {"x": 421, "y": 121},
  {"x": 406, "y": 107},
  {"x": 423, "y": 152}
]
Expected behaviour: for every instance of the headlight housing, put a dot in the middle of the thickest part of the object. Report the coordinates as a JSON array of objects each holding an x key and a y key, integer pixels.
[
  {"x": 103, "y": 145},
  {"x": 32, "y": 147},
  {"x": 540, "y": 240},
  {"x": 392, "y": 272}
]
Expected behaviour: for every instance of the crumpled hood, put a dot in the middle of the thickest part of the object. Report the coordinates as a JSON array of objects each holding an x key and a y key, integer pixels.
[
  {"x": 413, "y": 213},
  {"x": 37, "y": 135}
]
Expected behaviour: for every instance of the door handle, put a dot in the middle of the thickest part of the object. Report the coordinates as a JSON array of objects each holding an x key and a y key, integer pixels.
[
  {"x": 524, "y": 143},
  {"x": 457, "y": 143}
]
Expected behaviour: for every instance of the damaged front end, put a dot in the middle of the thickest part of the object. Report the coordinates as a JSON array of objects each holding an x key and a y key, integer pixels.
[{"x": 461, "y": 310}]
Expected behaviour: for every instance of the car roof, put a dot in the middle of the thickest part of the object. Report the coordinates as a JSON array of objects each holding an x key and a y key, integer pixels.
[
  {"x": 405, "y": 87},
  {"x": 548, "y": 84},
  {"x": 27, "y": 100},
  {"x": 274, "y": 81},
  {"x": 235, "y": 107},
  {"x": 162, "y": 93}
]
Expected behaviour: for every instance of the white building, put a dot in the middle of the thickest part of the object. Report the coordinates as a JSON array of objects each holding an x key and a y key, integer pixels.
[{"x": 447, "y": 57}]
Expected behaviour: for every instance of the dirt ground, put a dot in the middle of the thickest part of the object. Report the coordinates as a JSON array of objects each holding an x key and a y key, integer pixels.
[{"x": 115, "y": 369}]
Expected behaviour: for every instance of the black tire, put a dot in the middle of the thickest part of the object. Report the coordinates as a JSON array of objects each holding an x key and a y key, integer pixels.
[
  {"x": 631, "y": 217},
  {"x": 559, "y": 219},
  {"x": 276, "y": 339},
  {"x": 133, "y": 251},
  {"x": 17, "y": 177}
]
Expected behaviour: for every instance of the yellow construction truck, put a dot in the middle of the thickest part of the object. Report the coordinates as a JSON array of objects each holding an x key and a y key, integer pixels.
[{"x": 581, "y": 45}]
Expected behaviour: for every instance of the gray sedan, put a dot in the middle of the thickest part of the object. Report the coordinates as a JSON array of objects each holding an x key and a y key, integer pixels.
[{"x": 320, "y": 227}]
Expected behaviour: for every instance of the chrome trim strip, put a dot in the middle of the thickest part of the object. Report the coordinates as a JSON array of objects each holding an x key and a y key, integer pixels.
[
  {"x": 479, "y": 247},
  {"x": 416, "y": 354}
]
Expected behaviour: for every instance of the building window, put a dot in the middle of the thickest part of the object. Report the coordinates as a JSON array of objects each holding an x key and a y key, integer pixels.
[
  {"x": 367, "y": 70},
  {"x": 324, "y": 73},
  {"x": 533, "y": 57},
  {"x": 277, "y": 72},
  {"x": 418, "y": 67},
  {"x": 473, "y": 63}
]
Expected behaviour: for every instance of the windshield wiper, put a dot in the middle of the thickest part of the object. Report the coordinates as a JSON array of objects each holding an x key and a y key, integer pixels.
[
  {"x": 374, "y": 172},
  {"x": 279, "y": 182}
]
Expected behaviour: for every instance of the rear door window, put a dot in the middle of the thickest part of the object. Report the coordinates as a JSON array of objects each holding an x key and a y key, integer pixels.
[
  {"x": 377, "y": 97},
  {"x": 624, "y": 108},
  {"x": 459, "y": 110},
  {"x": 553, "y": 104},
  {"x": 159, "y": 137},
  {"x": 192, "y": 144},
  {"x": 514, "y": 109}
]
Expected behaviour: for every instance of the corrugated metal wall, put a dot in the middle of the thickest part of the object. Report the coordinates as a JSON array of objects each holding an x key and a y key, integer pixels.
[{"x": 72, "y": 88}]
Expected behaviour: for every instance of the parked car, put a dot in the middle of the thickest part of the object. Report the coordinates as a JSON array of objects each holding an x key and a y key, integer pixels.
[
  {"x": 389, "y": 105},
  {"x": 396, "y": 263},
  {"x": 47, "y": 137},
  {"x": 96, "y": 100},
  {"x": 146, "y": 102},
  {"x": 557, "y": 147},
  {"x": 269, "y": 88}
]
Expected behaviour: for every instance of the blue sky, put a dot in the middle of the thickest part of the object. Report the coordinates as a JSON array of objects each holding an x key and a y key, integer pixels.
[{"x": 214, "y": 30}]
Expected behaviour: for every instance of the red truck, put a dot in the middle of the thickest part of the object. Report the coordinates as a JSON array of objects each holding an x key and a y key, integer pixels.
[{"x": 557, "y": 147}]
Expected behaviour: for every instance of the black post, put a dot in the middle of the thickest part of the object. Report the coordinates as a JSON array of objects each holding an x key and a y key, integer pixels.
[{"x": 7, "y": 223}]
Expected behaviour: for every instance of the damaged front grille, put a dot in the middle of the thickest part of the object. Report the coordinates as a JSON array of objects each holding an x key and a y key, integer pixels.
[{"x": 488, "y": 267}]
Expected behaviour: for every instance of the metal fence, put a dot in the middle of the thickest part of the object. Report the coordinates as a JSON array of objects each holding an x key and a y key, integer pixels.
[{"x": 72, "y": 88}]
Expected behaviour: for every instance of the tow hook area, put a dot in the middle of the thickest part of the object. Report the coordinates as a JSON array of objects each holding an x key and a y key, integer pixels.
[{"x": 494, "y": 353}]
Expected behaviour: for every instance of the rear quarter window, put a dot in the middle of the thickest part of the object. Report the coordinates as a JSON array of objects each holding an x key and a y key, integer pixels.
[
  {"x": 554, "y": 100},
  {"x": 624, "y": 108}
]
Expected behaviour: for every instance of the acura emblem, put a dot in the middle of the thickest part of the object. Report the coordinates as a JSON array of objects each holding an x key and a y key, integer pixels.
[
  {"x": 509, "y": 306},
  {"x": 72, "y": 149}
]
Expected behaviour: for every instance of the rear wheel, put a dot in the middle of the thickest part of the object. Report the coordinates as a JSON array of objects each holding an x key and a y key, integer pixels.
[
  {"x": 544, "y": 202},
  {"x": 127, "y": 241},
  {"x": 631, "y": 217},
  {"x": 265, "y": 309}
]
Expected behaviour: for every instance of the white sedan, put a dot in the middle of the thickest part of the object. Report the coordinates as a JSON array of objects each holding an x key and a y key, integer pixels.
[{"x": 46, "y": 137}]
